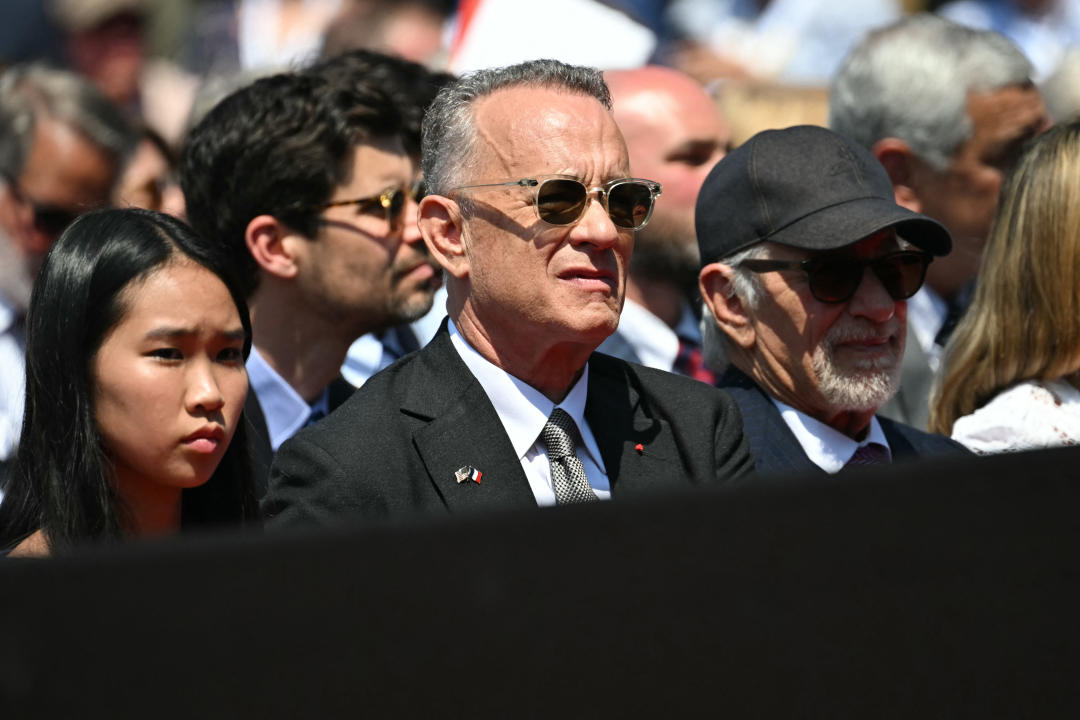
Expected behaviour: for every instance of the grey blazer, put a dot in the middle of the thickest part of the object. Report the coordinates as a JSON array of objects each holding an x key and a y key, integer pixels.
[{"x": 911, "y": 404}]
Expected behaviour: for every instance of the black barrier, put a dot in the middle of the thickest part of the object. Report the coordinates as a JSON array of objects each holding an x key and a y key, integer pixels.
[{"x": 923, "y": 590}]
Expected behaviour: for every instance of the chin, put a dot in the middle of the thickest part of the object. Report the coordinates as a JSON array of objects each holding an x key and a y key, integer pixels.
[
  {"x": 191, "y": 476},
  {"x": 857, "y": 389},
  {"x": 413, "y": 308}
]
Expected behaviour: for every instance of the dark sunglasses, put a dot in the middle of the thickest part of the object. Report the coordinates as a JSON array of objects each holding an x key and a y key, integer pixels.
[
  {"x": 835, "y": 278},
  {"x": 391, "y": 201},
  {"x": 49, "y": 220},
  {"x": 52, "y": 221},
  {"x": 562, "y": 200}
]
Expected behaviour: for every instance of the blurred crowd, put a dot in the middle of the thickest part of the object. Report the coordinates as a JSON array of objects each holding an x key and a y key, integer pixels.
[{"x": 288, "y": 167}]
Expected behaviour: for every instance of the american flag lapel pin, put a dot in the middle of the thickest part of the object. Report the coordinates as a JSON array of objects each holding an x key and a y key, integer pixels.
[{"x": 468, "y": 472}]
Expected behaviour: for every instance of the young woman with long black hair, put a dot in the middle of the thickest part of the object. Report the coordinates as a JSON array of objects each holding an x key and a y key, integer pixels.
[{"x": 135, "y": 344}]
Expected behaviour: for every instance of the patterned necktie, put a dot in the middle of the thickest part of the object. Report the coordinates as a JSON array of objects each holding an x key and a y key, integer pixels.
[
  {"x": 869, "y": 454},
  {"x": 567, "y": 472},
  {"x": 691, "y": 362}
]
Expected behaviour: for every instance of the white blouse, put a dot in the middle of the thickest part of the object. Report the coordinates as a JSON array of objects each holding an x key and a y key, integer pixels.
[{"x": 1027, "y": 416}]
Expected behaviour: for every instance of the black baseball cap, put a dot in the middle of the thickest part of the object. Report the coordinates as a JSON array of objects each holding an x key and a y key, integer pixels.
[{"x": 806, "y": 187}]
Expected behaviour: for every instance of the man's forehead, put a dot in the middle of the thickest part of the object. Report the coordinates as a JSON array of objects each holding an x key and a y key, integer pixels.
[
  {"x": 1008, "y": 113},
  {"x": 521, "y": 126}
]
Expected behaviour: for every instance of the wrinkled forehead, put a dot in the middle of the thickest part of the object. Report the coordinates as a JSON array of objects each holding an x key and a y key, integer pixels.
[{"x": 523, "y": 131}]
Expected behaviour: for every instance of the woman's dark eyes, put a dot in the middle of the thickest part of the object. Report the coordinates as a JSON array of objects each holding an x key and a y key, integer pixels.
[
  {"x": 167, "y": 354},
  {"x": 231, "y": 354}
]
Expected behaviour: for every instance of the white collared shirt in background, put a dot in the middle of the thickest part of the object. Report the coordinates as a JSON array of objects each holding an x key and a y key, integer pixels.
[
  {"x": 926, "y": 311},
  {"x": 285, "y": 411},
  {"x": 655, "y": 344},
  {"x": 524, "y": 411},
  {"x": 12, "y": 382},
  {"x": 827, "y": 447}
]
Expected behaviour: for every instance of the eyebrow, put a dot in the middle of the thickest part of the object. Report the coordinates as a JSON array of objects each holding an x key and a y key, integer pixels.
[
  {"x": 168, "y": 333},
  {"x": 696, "y": 146}
]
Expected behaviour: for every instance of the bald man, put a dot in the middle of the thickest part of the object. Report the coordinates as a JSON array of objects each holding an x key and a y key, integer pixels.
[{"x": 675, "y": 135}]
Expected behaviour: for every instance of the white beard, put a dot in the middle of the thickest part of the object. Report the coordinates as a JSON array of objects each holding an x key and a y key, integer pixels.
[{"x": 867, "y": 385}]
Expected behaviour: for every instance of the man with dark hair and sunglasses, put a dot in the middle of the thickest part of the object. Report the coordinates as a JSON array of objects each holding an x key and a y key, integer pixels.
[
  {"x": 807, "y": 265},
  {"x": 307, "y": 185},
  {"x": 411, "y": 87},
  {"x": 62, "y": 148},
  {"x": 531, "y": 212}
]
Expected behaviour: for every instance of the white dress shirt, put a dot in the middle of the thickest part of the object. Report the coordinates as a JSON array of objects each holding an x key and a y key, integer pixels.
[
  {"x": 655, "y": 344},
  {"x": 366, "y": 357},
  {"x": 926, "y": 311},
  {"x": 12, "y": 382},
  {"x": 524, "y": 411},
  {"x": 285, "y": 411},
  {"x": 827, "y": 447}
]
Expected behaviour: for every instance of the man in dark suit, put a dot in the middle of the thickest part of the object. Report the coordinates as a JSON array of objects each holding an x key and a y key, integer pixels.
[
  {"x": 807, "y": 264},
  {"x": 307, "y": 183},
  {"x": 531, "y": 212}
]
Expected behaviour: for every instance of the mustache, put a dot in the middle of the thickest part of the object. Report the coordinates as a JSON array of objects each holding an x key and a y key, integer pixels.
[{"x": 856, "y": 330}]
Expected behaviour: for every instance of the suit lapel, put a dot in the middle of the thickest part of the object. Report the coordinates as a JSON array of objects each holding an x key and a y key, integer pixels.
[
  {"x": 619, "y": 420},
  {"x": 463, "y": 430},
  {"x": 774, "y": 447}
]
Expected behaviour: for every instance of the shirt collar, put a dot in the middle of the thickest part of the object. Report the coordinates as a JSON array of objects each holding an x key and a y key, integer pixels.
[
  {"x": 827, "y": 447},
  {"x": 284, "y": 409},
  {"x": 654, "y": 343},
  {"x": 926, "y": 314},
  {"x": 7, "y": 315},
  {"x": 522, "y": 409}
]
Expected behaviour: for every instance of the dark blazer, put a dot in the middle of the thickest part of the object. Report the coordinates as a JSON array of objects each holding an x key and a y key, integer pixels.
[
  {"x": 777, "y": 451},
  {"x": 262, "y": 452},
  {"x": 394, "y": 447}
]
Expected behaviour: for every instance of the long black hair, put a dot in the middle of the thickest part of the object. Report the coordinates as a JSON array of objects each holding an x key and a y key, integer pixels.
[{"x": 62, "y": 479}]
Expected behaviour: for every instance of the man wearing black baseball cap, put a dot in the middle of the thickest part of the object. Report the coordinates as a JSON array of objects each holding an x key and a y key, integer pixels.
[{"x": 807, "y": 263}]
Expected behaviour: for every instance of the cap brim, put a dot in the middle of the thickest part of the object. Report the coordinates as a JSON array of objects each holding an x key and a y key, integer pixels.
[{"x": 843, "y": 224}]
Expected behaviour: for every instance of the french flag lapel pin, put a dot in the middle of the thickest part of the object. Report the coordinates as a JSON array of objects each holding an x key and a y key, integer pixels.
[{"x": 468, "y": 472}]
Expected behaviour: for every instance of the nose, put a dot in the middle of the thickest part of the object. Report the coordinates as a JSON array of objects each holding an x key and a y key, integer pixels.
[
  {"x": 595, "y": 226},
  {"x": 203, "y": 391},
  {"x": 871, "y": 300},
  {"x": 410, "y": 216}
]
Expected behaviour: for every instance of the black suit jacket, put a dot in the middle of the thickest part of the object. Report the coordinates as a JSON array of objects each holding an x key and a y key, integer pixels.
[
  {"x": 393, "y": 448},
  {"x": 776, "y": 450},
  {"x": 262, "y": 452}
]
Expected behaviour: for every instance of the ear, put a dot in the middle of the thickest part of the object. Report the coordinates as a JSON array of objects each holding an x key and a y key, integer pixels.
[
  {"x": 270, "y": 242},
  {"x": 442, "y": 226},
  {"x": 726, "y": 307},
  {"x": 899, "y": 162}
]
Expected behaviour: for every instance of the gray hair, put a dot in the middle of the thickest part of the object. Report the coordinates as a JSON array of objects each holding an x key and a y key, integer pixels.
[
  {"x": 910, "y": 80},
  {"x": 715, "y": 343},
  {"x": 33, "y": 90},
  {"x": 448, "y": 132}
]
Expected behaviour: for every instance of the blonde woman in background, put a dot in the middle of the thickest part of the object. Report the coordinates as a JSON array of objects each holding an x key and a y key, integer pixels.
[{"x": 1011, "y": 371}]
